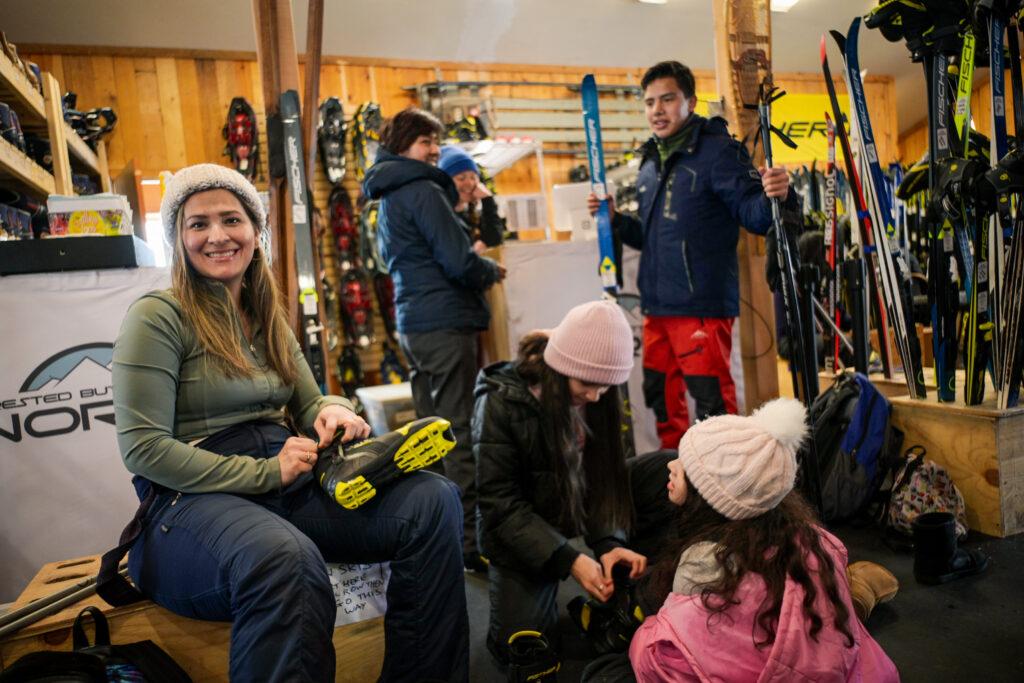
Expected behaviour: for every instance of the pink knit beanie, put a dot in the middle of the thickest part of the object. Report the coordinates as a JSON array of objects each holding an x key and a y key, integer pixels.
[
  {"x": 744, "y": 466},
  {"x": 593, "y": 343}
]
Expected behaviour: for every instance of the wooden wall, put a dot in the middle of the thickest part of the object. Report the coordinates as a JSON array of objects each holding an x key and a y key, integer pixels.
[{"x": 171, "y": 106}]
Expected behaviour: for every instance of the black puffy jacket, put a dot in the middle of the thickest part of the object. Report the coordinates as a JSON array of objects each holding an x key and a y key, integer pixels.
[{"x": 518, "y": 498}]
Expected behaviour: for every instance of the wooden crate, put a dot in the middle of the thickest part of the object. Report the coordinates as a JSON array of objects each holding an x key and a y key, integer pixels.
[
  {"x": 981, "y": 447},
  {"x": 199, "y": 647}
]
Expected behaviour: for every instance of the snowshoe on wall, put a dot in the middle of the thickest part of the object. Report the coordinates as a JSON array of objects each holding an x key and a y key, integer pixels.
[
  {"x": 366, "y": 137},
  {"x": 332, "y": 307},
  {"x": 392, "y": 371},
  {"x": 344, "y": 230},
  {"x": 369, "y": 251},
  {"x": 350, "y": 372},
  {"x": 242, "y": 138},
  {"x": 330, "y": 136},
  {"x": 384, "y": 288},
  {"x": 357, "y": 307}
]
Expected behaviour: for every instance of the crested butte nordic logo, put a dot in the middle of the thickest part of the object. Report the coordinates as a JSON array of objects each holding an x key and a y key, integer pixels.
[{"x": 68, "y": 391}]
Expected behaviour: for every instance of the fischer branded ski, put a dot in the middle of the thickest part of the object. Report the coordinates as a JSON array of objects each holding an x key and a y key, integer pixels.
[
  {"x": 607, "y": 265},
  {"x": 291, "y": 128},
  {"x": 595, "y": 156},
  {"x": 892, "y": 267},
  {"x": 869, "y": 254}
]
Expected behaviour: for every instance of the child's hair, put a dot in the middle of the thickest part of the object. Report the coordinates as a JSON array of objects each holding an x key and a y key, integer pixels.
[
  {"x": 776, "y": 545},
  {"x": 593, "y": 484}
]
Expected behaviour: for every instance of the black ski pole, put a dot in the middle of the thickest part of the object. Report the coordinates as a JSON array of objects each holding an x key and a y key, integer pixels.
[
  {"x": 802, "y": 363},
  {"x": 853, "y": 276}
]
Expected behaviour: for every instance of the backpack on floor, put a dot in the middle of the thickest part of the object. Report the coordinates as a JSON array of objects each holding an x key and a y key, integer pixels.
[
  {"x": 851, "y": 432},
  {"x": 921, "y": 486}
]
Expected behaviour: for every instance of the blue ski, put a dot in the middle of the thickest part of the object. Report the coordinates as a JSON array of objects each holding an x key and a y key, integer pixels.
[{"x": 595, "y": 156}]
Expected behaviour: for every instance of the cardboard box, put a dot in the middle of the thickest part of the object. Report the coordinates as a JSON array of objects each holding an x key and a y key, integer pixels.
[{"x": 387, "y": 406}]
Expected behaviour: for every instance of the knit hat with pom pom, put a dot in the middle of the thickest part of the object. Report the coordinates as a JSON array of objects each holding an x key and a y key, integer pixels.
[{"x": 744, "y": 466}]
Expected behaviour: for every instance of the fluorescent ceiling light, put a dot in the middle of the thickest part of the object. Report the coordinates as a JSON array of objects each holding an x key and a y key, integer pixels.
[
  {"x": 783, "y": 5},
  {"x": 652, "y": 2}
]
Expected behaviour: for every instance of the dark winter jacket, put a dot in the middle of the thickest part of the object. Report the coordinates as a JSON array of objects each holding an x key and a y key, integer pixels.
[
  {"x": 688, "y": 224},
  {"x": 484, "y": 222},
  {"x": 439, "y": 280},
  {"x": 518, "y": 498}
]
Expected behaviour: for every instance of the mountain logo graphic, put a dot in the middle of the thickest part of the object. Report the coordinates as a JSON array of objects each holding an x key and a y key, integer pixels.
[{"x": 61, "y": 365}]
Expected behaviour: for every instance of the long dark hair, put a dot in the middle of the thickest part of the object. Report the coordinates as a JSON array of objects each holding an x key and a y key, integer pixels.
[
  {"x": 593, "y": 483},
  {"x": 775, "y": 545}
]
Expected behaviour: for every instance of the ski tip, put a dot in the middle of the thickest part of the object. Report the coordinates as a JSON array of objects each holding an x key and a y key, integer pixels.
[
  {"x": 840, "y": 40},
  {"x": 588, "y": 79},
  {"x": 854, "y": 28},
  {"x": 824, "y": 54}
]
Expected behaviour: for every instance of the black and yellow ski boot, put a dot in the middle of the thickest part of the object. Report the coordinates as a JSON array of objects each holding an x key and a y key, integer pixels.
[
  {"x": 531, "y": 658},
  {"x": 352, "y": 475}
]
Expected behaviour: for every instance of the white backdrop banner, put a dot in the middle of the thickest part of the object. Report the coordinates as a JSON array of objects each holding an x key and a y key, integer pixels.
[{"x": 63, "y": 489}]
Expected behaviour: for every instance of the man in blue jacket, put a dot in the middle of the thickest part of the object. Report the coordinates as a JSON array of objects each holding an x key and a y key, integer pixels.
[
  {"x": 439, "y": 286},
  {"x": 696, "y": 187}
]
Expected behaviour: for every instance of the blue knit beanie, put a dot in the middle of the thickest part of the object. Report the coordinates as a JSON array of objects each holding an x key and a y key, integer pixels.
[{"x": 454, "y": 161}]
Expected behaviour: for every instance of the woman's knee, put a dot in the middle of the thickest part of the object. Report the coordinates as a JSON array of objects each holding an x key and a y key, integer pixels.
[{"x": 286, "y": 564}]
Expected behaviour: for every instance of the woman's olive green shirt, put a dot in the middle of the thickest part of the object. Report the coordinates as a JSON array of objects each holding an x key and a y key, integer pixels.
[{"x": 167, "y": 395}]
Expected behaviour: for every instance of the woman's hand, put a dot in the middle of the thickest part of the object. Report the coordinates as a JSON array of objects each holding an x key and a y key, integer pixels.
[
  {"x": 588, "y": 574},
  {"x": 637, "y": 562},
  {"x": 297, "y": 456},
  {"x": 333, "y": 416}
]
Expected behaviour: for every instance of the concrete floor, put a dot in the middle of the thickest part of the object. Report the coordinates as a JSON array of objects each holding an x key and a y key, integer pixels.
[{"x": 968, "y": 630}]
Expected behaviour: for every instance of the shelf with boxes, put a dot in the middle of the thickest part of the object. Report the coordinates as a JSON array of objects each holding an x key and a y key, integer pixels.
[{"x": 34, "y": 129}]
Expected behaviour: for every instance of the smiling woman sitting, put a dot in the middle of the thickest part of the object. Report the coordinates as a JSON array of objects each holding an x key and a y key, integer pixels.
[{"x": 207, "y": 378}]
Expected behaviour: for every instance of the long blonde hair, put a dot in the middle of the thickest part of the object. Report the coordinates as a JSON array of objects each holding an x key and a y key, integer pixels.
[{"x": 207, "y": 307}]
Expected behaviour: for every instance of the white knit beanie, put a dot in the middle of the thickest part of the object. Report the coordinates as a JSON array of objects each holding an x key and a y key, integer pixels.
[
  {"x": 744, "y": 466},
  {"x": 201, "y": 177},
  {"x": 593, "y": 343}
]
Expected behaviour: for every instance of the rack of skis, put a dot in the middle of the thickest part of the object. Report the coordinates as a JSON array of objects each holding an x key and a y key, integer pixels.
[{"x": 939, "y": 243}]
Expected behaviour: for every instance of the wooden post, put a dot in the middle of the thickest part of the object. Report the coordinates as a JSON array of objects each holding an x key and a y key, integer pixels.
[
  {"x": 742, "y": 45},
  {"x": 57, "y": 130},
  {"x": 311, "y": 96},
  {"x": 279, "y": 69},
  {"x": 269, "y": 56}
]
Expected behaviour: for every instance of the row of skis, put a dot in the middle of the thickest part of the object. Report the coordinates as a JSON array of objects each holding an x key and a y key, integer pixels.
[
  {"x": 957, "y": 211},
  {"x": 350, "y": 242}
]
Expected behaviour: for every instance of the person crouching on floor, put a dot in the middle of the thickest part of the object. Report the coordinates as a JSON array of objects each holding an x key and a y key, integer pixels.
[
  {"x": 547, "y": 437},
  {"x": 758, "y": 588}
]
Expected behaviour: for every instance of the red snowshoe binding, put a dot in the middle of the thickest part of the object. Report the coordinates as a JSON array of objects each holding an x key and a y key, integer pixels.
[
  {"x": 344, "y": 229},
  {"x": 242, "y": 137},
  {"x": 357, "y": 307}
]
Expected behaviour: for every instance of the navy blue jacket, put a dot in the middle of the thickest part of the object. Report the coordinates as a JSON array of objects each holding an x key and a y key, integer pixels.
[
  {"x": 439, "y": 279},
  {"x": 689, "y": 223}
]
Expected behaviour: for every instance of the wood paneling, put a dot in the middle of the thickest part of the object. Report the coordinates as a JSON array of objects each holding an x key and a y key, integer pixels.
[{"x": 171, "y": 107}]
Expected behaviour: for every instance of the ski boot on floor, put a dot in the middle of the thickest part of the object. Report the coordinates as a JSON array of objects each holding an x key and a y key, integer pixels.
[
  {"x": 937, "y": 559},
  {"x": 352, "y": 475},
  {"x": 531, "y": 658},
  {"x": 870, "y": 584},
  {"x": 610, "y": 626}
]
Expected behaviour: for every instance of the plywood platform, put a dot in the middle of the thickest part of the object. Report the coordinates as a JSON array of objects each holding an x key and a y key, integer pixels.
[{"x": 199, "y": 647}]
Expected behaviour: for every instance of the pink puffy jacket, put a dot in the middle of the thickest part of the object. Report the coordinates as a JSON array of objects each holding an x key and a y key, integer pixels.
[{"x": 680, "y": 644}]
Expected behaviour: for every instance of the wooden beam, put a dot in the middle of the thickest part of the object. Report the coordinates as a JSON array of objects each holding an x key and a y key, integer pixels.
[
  {"x": 268, "y": 50},
  {"x": 311, "y": 94},
  {"x": 743, "y": 27},
  {"x": 57, "y": 130}
]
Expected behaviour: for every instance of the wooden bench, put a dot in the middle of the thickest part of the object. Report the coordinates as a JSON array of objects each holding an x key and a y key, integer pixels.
[{"x": 199, "y": 647}]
